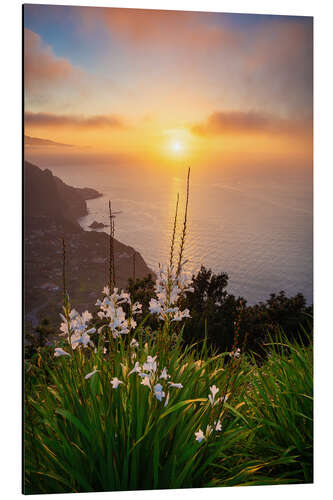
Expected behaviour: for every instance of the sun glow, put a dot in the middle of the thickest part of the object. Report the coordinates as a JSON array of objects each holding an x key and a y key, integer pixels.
[{"x": 176, "y": 146}]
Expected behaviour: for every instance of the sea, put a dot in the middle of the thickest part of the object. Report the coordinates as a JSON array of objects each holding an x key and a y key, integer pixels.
[{"x": 254, "y": 223}]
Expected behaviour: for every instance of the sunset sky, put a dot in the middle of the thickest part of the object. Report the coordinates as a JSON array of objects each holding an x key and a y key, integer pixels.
[{"x": 166, "y": 86}]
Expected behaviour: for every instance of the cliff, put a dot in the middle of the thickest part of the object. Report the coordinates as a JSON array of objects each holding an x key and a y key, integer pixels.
[
  {"x": 47, "y": 195},
  {"x": 51, "y": 210}
]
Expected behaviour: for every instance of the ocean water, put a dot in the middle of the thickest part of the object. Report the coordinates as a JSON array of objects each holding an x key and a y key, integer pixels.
[{"x": 253, "y": 223}]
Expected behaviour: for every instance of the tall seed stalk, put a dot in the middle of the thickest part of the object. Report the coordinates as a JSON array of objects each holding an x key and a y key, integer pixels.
[
  {"x": 113, "y": 254},
  {"x": 64, "y": 285},
  {"x": 112, "y": 277},
  {"x": 64, "y": 268},
  {"x": 134, "y": 265},
  {"x": 182, "y": 241},
  {"x": 174, "y": 233}
]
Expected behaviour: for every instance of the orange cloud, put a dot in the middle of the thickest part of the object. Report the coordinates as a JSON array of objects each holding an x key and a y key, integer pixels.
[
  {"x": 250, "y": 122},
  {"x": 161, "y": 27},
  {"x": 41, "y": 65},
  {"x": 80, "y": 121}
]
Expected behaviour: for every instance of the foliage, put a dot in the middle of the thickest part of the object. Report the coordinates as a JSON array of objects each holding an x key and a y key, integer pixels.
[
  {"x": 170, "y": 400},
  {"x": 84, "y": 435},
  {"x": 214, "y": 313},
  {"x": 37, "y": 339},
  {"x": 279, "y": 419}
]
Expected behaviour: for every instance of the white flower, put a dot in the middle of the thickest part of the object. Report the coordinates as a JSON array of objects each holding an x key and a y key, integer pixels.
[
  {"x": 214, "y": 390},
  {"x": 150, "y": 365},
  {"x": 158, "y": 392},
  {"x": 86, "y": 316},
  {"x": 125, "y": 297},
  {"x": 235, "y": 354},
  {"x": 115, "y": 382},
  {"x": 218, "y": 425},
  {"x": 118, "y": 323},
  {"x": 60, "y": 352},
  {"x": 75, "y": 327},
  {"x": 63, "y": 327},
  {"x": 91, "y": 330},
  {"x": 83, "y": 339},
  {"x": 155, "y": 307},
  {"x": 146, "y": 381},
  {"x": 62, "y": 317},
  {"x": 134, "y": 343},
  {"x": 199, "y": 436},
  {"x": 73, "y": 314},
  {"x": 111, "y": 309},
  {"x": 137, "y": 368},
  {"x": 177, "y": 385},
  {"x": 169, "y": 287},
  {"x": 164, "y": 374},
  {"x": 91, "y": 374},
  {"x": 75, "y": 340},
  {"x": 179, "y": 315}
]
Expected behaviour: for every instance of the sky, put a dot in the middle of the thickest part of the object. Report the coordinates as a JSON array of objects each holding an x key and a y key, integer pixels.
[{"x": 167, "y": 87}]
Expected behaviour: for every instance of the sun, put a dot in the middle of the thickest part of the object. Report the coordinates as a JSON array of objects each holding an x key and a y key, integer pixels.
[{"x": 176, "y": 146}]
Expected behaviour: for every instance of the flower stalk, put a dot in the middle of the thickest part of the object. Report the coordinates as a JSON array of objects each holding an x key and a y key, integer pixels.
[{"x": 182, "y": 241}]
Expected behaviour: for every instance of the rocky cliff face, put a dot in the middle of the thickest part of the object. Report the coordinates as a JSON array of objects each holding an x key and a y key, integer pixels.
[
  {"x": 47, "y": 195},
  {"x": 51, "y": 209}
]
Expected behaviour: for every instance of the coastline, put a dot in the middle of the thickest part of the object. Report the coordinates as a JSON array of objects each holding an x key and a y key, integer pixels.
[{"x": 47, "y": 220}]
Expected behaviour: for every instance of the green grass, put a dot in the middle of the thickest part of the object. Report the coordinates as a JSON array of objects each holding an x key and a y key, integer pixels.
[
  {"x": 279, "y": 420},
  {"x": 83, "y": 435}
]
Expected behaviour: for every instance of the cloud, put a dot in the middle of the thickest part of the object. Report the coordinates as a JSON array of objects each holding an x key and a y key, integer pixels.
[
  {"x": 162, "y": 28},
  {"x": 78, "y": 121},
  {"x": 279, "y": 64},
  {"x": 266, "y": 60},
  {"x": 42, "y": 65},
  {"x": 52, "y": 79},
  {"x": 281, "y": 44},
  {"x": 249, "y": 122}
]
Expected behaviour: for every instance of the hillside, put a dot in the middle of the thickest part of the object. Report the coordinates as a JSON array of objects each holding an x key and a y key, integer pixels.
[
  {"x": 51, "y": 211},
  {"x": 47, "y": 195}
]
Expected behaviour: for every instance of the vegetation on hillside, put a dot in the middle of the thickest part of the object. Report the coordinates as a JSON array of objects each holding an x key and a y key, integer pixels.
[{"x": 141, "y": 394}]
